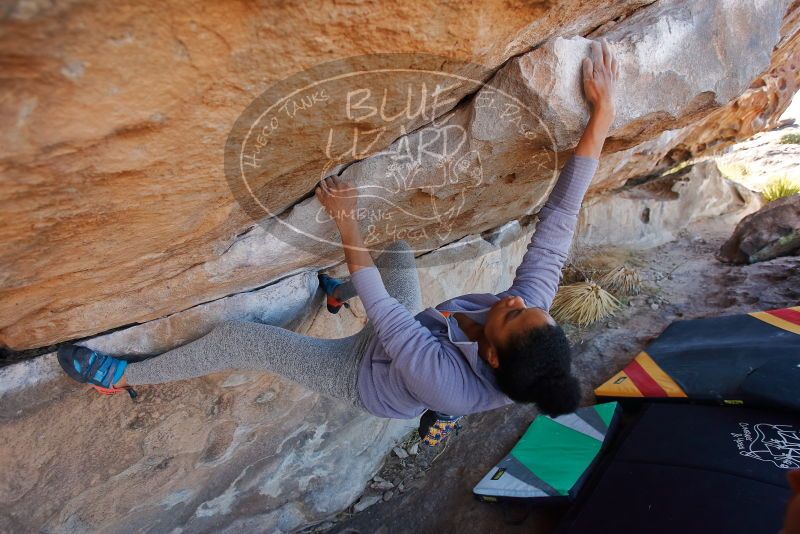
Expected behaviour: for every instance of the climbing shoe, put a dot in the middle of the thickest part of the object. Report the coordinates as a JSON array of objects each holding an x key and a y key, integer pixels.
[
  {"x": 99, "y": 370},
  {"x": 328, "y": 284},
  {"x": 435, "y": 428}
]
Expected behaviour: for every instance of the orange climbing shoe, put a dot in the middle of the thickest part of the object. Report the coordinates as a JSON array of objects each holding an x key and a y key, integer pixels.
[{"x": 328, "y": 285}]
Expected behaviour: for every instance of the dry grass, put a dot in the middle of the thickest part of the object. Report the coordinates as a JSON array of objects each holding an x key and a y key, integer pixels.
[
  {"x": 590, "y": 262},
  {"x": 679, "y": 167},
  {"x": 790, "y": 139},
  {"x": 779, "y": 188},
  {"x": 622, "y": 281},
  {"x": 735, "y": 171},
  {"x": 583, "y": 303},
  {"x": 571, "y": 275}
]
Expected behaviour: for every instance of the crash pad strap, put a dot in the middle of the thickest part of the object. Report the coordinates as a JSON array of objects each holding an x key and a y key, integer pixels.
[{"x": 786, "y": 318}]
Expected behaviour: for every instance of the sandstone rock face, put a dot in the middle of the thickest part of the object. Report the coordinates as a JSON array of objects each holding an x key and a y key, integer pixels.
[
  {"x": 762, "y": 158},
  {"x": 772, "y": 231},
  {"x": 122, "y": 217},
  {"x": 117, "y": 122},
  {"x": 757, "y": 109},
  {"x": 236, "y": 451},
  {"x": 654, "y": 212},
  {"x": 117, "y": 211},
  {"x": 657, "y": 48}
]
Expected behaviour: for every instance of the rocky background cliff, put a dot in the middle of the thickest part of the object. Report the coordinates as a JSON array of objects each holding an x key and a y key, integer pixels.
[{"x": 120, "y": 227}]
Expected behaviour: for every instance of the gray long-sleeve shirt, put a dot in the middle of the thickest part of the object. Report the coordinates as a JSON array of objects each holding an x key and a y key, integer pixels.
[{"x": 425, "y": 361}]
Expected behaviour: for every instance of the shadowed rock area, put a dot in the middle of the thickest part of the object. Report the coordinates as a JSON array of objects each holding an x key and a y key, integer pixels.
[{"x": 654, "y": 212}]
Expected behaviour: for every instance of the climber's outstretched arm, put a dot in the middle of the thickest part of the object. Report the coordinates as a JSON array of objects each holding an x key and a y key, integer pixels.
[
  {"x": 400, "y": 333},
  {"x": 537, "y": 277}
]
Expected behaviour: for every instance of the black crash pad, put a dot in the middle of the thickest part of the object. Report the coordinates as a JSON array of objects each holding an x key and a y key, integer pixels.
[{"x": 682, "y": 468}]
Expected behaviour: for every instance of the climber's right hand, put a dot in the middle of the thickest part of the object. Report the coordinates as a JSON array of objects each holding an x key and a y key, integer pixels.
[
  {"x": 600, "y": 73},
  {"x": 338, "y": 199}
]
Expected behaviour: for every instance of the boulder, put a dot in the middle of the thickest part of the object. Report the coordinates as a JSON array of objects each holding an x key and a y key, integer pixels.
[
  {"x": 122, "y": 216},
  {"x": 654, "y": 211},
  {"x": 758, "y": 109},
  {"x": 227, "y": 452},
  {"x": 772, "y": 231},
  {"x": 657, "y": 47}
]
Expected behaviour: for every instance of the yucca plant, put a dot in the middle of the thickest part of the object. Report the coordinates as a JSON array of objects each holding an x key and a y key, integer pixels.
[
  {"x": 583, "y": 303},
  {"x": 622, "y": 281},
  {"x": 779, "y": 188}
]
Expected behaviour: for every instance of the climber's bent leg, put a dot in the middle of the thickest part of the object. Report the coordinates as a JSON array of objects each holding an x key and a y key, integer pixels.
[
  {"x": 398, "y": 270},
  {"x": 326, "y": 366}
]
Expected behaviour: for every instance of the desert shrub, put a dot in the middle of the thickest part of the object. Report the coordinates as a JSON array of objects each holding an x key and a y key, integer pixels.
[
  {"x": 622, "y": 281},
  {"x": 583, "y": 303},
  {"x": 791, "y": 139},
  {"x": 779, "y": 188},
  {"x": 676, "y": 168}
]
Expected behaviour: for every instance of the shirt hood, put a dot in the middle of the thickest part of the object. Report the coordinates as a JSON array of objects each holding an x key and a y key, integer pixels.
[{"x": 476, "y": 306}]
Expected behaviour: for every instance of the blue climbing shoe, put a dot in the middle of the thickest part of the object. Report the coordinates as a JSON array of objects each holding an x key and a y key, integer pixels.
[
  {"x": 88, "y": 366},
  {"x": 328, "y": 284}
]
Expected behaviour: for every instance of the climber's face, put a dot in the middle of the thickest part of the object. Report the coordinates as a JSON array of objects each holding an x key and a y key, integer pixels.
[{"x": 509, "y": 317}]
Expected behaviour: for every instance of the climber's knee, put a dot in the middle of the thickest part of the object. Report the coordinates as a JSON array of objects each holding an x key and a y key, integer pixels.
[
  {"x": 226, "y": 329},
  {"x": 399, "y": 245},
  {"x": 396, "y": 255}
]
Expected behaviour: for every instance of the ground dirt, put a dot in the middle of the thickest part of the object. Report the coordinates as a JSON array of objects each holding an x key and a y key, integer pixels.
[{"x": 682, "y": 280}]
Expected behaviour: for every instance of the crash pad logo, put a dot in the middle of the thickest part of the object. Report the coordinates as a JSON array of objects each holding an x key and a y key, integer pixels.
[
  {"x": 777, "y": 444},
  {"x": 416, "y": 138}
]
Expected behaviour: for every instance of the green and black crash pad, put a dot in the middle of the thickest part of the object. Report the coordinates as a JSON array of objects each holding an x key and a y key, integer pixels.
[
  {"x": 736, "y": 359},
  {"x": 553, "y": 457},
  {"x": 692, "y": 468}
]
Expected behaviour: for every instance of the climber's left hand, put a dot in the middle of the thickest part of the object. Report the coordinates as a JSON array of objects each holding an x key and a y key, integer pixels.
[{"x": 340, "y": 200}]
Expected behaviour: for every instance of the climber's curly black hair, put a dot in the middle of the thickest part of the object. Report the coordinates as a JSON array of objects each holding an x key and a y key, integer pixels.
[{"x": 535, "y": 367}]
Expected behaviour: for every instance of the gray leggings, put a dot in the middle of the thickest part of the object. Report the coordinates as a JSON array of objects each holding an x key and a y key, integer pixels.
[{"x": 326, "y": 366}]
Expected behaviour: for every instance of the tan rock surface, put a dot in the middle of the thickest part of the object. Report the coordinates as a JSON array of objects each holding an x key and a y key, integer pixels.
[
  {"x": 757, "y": 109},
  {"x": 116, "y": 210},
  {"x": 124, "y": 216},
  {"x": 115, "y": 118},
  {"x": 237, "y": 451}
]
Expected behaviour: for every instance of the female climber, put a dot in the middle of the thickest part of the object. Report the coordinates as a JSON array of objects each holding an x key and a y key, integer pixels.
[{"x": 472, "y": 353}]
